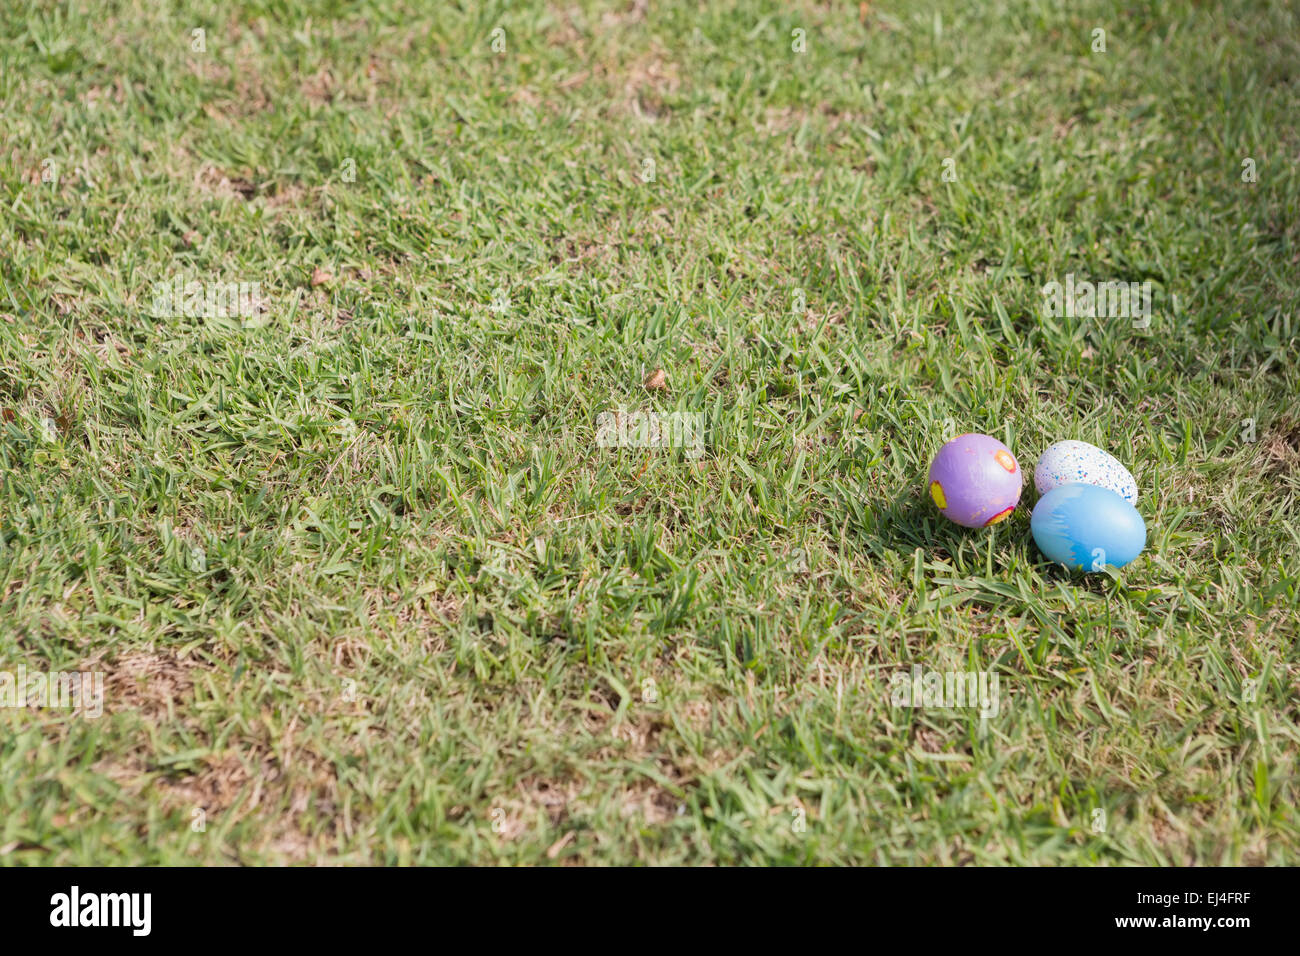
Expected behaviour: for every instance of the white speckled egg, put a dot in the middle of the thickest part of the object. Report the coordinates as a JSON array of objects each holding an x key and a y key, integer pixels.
[{"x": 1078, "y": 463}]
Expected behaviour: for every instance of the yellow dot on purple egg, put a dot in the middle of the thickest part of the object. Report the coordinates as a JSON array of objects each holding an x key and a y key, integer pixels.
[
  {"x": 936, "y": 492},
  {"x": 1000, "y": 516}
]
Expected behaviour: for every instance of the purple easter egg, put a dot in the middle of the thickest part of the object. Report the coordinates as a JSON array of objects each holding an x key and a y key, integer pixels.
[{"x": 975, "y": 480}]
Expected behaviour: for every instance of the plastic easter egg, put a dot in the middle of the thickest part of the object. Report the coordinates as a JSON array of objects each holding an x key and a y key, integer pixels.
[
  {"x": 975, "y": 480},
  {"x": 1077, "y": 462},
  {"x": 1087, "y": 527}
]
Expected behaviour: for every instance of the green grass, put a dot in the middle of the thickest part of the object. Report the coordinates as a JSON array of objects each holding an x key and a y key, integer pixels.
[{"x": 428, "y": 604}]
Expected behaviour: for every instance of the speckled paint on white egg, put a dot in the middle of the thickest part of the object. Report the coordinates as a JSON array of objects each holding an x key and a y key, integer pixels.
[{"x": 1077, "y": 462}]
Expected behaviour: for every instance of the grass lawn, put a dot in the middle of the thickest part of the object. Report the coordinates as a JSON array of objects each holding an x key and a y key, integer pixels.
[{"x": 365, "y": 581}]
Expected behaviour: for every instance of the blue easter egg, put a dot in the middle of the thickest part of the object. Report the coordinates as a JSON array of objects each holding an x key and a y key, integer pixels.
[{"x": 1087, "y": 527}]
